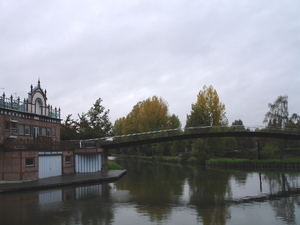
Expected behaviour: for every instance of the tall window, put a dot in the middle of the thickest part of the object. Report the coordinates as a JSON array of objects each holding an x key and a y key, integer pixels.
[
  {"x": 14, "y": 126},
  {"x": 53, "y": 131},
  {"x": 48, "y": 132},
  {"x": 27, "y": 130},
  {"x": 44, "y": 131},
  {"x": 36, "y": 132},
  {"x": 7, "y": 126},
  {"x": 21, "y": 129},
  {"x": 39, "y": 107}
]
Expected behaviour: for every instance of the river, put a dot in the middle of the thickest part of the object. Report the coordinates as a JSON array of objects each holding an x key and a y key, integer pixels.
[{"x": 158, "y": 193}]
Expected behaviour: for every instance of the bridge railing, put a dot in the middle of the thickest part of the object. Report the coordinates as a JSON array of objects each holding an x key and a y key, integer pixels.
[
  {"x": 97, "y": 142},
  {"x": 88, "y": 143}
]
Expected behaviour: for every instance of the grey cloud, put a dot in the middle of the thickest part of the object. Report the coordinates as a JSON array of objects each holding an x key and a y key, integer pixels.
[{"x": 125, "y": 52}]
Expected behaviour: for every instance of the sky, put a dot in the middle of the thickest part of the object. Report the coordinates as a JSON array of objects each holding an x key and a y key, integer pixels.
[{"x": 127, "y": 51}]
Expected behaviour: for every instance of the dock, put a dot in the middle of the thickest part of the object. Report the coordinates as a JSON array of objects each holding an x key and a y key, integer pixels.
[{"x": 62, "y": 180}]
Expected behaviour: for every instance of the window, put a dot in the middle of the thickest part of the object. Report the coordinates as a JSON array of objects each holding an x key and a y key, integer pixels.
[
  {"x": 39, "y": 106},
  {"x": 53, "y": 131},
  {"x": 29, "y": 162},
  {"x": 27, "y": 130},
  {"x": 48, "y": 132},
  {"x": 7, "y": 126},
  {"x": 44, "y": 131},
  {"x": 36, "y": 132},
  {"x": 14, "y": 126},
  {"x": 21, "y": 129},
  {"x": 68, "y": 159}
]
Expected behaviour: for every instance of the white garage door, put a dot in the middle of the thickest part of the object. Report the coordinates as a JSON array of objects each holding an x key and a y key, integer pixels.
[
  {"x": 88, "y": 162},
  {"x": 50, "y": 166}
]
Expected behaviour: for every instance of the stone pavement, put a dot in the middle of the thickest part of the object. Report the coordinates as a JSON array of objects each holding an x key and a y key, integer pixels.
[{"x": 63, "y": 180}]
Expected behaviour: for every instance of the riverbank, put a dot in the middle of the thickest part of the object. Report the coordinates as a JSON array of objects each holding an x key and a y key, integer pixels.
[
  {"x": 63, "y": 180},
  {"x": 255, "y": 163},
  {"x": 292, "y": 163}
]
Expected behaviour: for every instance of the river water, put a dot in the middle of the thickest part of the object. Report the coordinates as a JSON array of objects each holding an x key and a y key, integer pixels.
[{"x": 157, "y": 193}]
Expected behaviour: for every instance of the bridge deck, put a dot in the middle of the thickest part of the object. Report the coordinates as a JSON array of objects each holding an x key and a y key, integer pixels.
[{"x": 112, "y": 145}]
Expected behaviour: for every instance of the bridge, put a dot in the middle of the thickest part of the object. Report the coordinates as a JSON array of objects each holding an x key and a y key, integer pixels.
[{"x": 188, "y": 133}]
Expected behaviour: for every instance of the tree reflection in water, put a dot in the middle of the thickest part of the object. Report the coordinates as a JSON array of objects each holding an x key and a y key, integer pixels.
[
  {"x": 284, "y": 183},
  {"x": 157, "y": 193}
]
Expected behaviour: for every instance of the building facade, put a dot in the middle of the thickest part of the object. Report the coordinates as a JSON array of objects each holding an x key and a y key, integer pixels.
[{"x": 30, "y": 146}]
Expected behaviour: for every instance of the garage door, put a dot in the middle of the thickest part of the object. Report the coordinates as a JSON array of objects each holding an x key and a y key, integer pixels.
[
  {"x": 88, "y": 162},
  {"x": 50, "y": 166}
]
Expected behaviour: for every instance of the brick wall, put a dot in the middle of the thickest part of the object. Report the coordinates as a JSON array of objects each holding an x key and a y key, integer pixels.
[{"x": 68, "y": 167}]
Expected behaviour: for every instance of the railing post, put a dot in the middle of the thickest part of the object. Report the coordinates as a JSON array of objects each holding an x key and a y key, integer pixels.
[
  {"x": 18, "y": 103},
  {"x": 11, "y": 102},
  {"x": 258, "y": 149}
]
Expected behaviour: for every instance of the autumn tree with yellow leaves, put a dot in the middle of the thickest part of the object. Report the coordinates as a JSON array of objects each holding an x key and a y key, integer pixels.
[
  {"x": 208, "y": 111},
  {"x": 151, "y": 114}
]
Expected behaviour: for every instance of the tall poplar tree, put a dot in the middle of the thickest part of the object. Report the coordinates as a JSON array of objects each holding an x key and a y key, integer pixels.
[{"x": 208, "y": 110}]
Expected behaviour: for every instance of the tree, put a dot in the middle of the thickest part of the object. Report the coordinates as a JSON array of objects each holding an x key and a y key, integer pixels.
[
  {"x": 294, "y": 121},
  {"x": 99, "y": 120},
  {"x": 68, "y": 129},
  {"x": 208, "y": 110},
  {"x": 148, "y": 115},
  {"x": 151, "y": 114},
  {"x": 119, "y": 126},
  {"x": 243, "y": 143},
  {"x": 83, "y": 127},
  {"x": 174, "y": 122},
  {"x": 278, "y": 114},
  {"x": 93, "y": 124},
  {"x": 238, "y": 125}
]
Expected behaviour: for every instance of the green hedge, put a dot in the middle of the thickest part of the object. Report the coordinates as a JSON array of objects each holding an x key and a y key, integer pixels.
[{"x": 114, "y": 166}]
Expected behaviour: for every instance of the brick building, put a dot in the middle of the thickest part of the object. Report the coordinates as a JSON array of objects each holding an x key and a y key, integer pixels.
[{"x": 30, "y": 146}]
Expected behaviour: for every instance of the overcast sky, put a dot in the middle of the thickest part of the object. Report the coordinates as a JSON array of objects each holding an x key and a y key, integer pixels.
[{"x": 127, "y": 51}]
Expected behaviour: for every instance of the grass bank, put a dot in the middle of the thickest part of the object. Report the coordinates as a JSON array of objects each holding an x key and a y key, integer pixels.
[
  {"x": 293, "y": 163},
  {"x": 171, "y": 159},
  {"x": 288, "y": 163},
  {"x": 114, "y": 166}
]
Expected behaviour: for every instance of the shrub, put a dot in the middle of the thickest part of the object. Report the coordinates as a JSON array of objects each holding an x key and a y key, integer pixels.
[
  {"x": 270, "y": 152},
  {"x": 202, "y": 157},
  {"x": 114, "y": 166},
  {"x": 185, "y": 157},
  {"x": 192, "y": 159}
]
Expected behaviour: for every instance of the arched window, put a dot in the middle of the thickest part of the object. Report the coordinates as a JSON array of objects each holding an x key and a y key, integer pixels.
[{"x": 39, "y": 106}]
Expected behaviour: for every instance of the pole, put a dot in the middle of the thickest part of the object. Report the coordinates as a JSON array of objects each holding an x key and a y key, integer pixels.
[{"x": 258, "y": 150}]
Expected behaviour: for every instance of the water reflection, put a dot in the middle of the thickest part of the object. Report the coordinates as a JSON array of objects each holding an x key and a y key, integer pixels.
[
  {"x": 163, "y": 194},
  {"x": 69, "y": 205}
]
